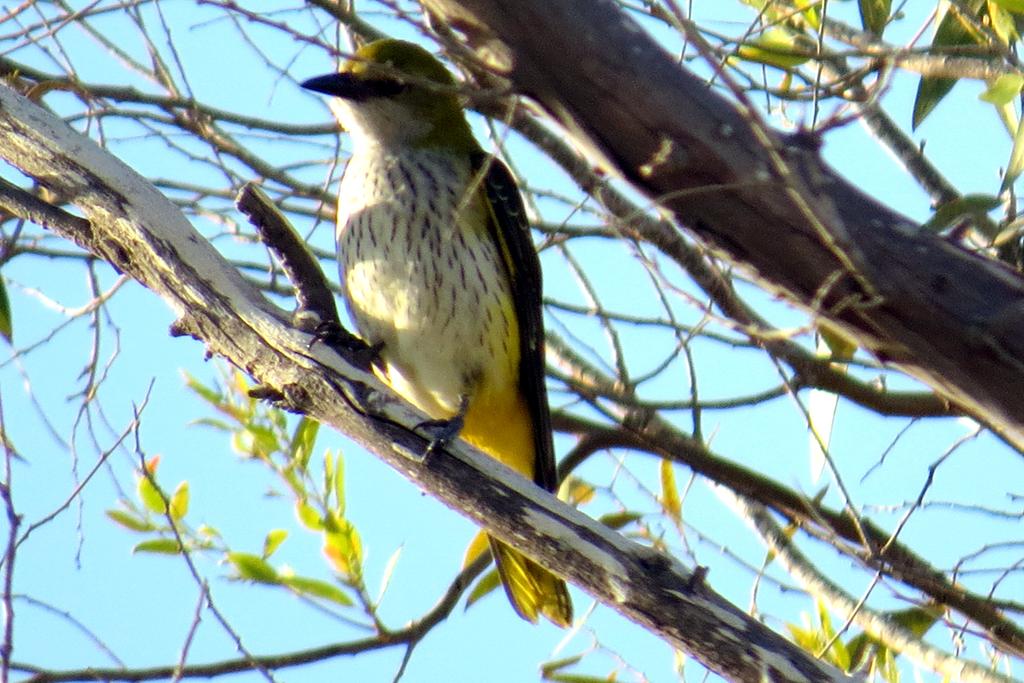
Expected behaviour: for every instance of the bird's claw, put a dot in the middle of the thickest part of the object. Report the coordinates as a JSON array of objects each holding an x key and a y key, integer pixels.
[
  {"x": 441, "y": 432},
  {"x": 347, "y": 344}
]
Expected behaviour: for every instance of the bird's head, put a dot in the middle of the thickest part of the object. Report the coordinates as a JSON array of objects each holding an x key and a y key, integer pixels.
[{"x": 395, "y": 93}]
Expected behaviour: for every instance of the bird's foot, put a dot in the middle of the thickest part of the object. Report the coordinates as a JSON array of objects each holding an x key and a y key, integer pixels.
[
  {"x": 335, "y": 336},
  {"x": 443, "y": 432},
  {"x": 440, "y": 432}
]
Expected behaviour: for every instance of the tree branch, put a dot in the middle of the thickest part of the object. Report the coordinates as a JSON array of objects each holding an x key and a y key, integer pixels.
[
  {"x": 951, "y": 318},
  {"x": 877, "y": 624},
  {"x": 141, "y": 233}
]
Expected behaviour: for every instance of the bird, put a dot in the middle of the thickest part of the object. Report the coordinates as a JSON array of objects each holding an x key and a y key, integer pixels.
[{"x": 439, "y": 273}]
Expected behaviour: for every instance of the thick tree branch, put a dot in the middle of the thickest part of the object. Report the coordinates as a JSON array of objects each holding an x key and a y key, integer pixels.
[
  {"x": 953, "y": 319},
  {"x": 141, "y": 233},
  {"x": 809, "y": 370}
]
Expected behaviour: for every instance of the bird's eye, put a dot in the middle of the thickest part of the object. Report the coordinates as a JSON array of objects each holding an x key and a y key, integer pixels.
[{"x": 388, "y": 87}]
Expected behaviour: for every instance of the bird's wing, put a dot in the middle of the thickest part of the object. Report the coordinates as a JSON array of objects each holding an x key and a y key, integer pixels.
[{"x": 510, "y": 230}]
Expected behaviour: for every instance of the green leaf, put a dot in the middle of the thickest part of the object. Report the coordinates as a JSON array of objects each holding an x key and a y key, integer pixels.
[
  {"x": 339, "y": 483},
  {"x": 841, "y": 347},
  {"x": 841, "y": 655},
  {"x": 130, "y": 520},
  {"x": 972, "y": 206},
  {"x": 1003, "y": 22},
  {"x": 253, "y": 568},
  {"x": 810, "y": 12},
  {"x": 776, "y": 46},
  {"x": 578, "y": 678},
  {"x": 317, "y": 589},
  {"x": 256, "y": 440},
  {"x": 309, "y": 516},
  {"x": 952, "y": 32},
  {"x": 859, "y": 647},
  {"x": 389, "y": 570},
  {"x": 824, "y": 635},
  {"x": 220, "y": 425},
  {"x": 479, "y": 545},
  {"x": 208, "y": 394},
  {"x": 6, "y": 324},
  {"x": 576, "y": 491},
  {"x": 295, "y": 482},
  {"x": 789, "y": 531},
  {"x": 549, "y": 668},
  {"x": 874, "y": 14},
  {"x": 917, "y": 620},
  {"x": 617, "y": 520},
  {"x": 1016, "y": 6},
  {"x": 164, "y": 546},
  {"x": 303, "y": 440},
  {"x": 150, "y": 496},
  {"x": 669, "y": 491},
  {"x": 1003, "y": 90},
  {"x": 886, "y": 663},
  {"x": 808, "y": 639},
  {"x": 807, "y": 12},
  {"x": 273, "y": 540},
  {"x": 344, "y": 548},
  {"x": 825, "y": 620},
  {"x": 334, "y": 481},
  {"x": 487, "y": 583},
  {"x": 207, "y": 531},
  {"x": 179, "y": 501},
  {"x": 1016, "y": 163}
]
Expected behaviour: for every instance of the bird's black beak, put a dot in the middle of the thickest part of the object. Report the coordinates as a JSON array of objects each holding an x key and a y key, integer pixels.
[
  {"x": 352, "y": 87},
  {"x": 336, "y": 84}
]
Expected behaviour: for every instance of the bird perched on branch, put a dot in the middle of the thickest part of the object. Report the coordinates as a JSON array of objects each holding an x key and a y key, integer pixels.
[{"x": 439, "y": 270}]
